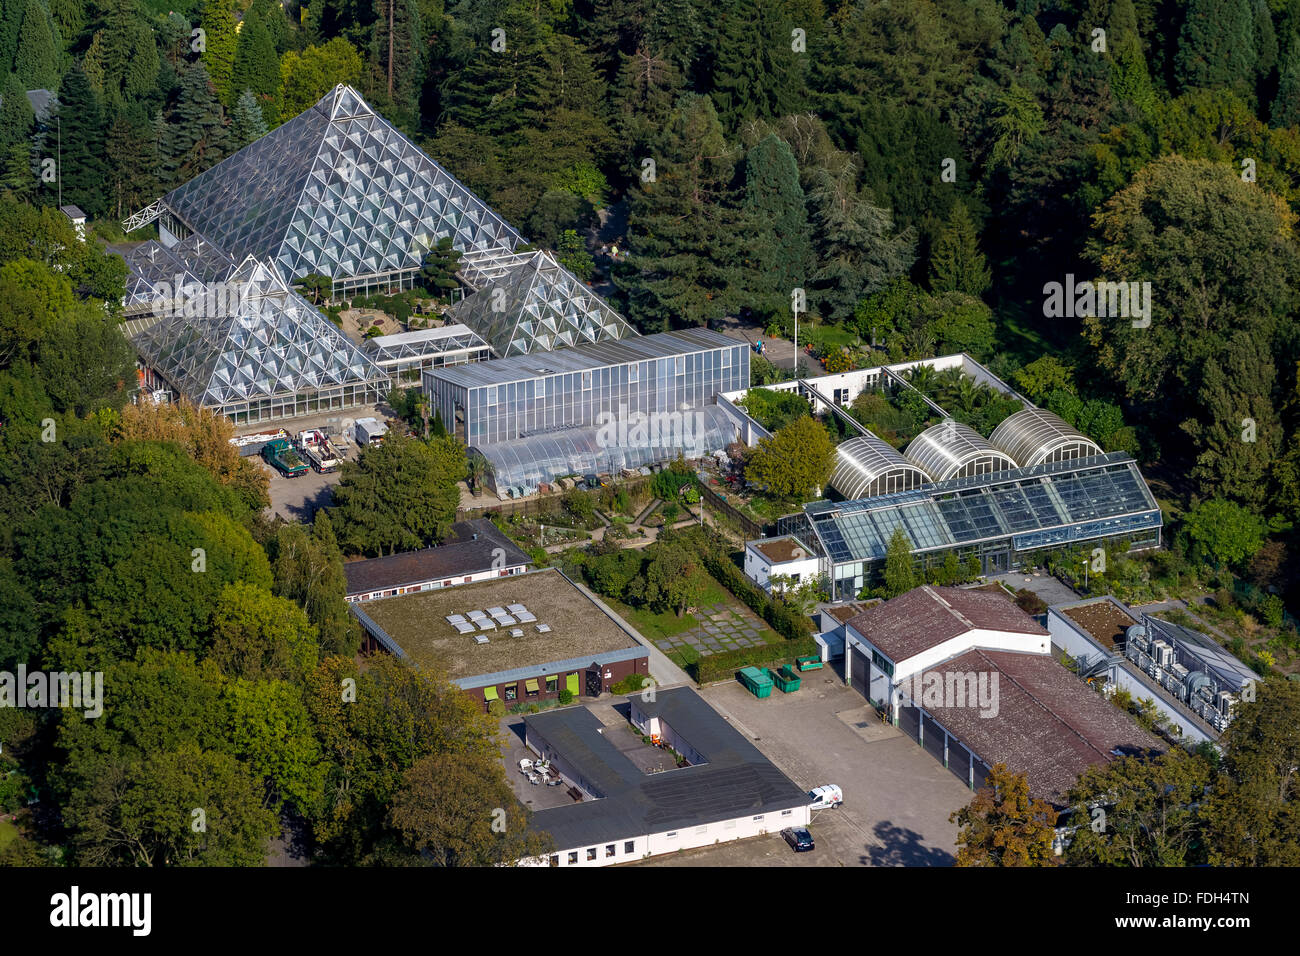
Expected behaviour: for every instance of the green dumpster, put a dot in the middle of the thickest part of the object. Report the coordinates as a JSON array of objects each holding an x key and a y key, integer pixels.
[
  {"x": 787, "y": 681},
  {"x": 756, "y": 682},
  {"x": 809, "y": 663}
]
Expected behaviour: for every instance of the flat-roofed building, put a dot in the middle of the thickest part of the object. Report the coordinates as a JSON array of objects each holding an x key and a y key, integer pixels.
[{"x": 518, "y": 639}]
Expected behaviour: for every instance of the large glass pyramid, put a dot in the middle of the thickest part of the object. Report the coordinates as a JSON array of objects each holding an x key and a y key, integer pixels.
[
  {"x": 261, "y": 341},
  {"x": 538, "y": 305},
  {"x": 336, "y": 190}
]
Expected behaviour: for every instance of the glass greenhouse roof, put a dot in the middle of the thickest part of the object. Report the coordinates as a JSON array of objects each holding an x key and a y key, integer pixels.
[
  {"x": 536, "y": 306},
  {"x": 339, "y": 191},
  {"x": 264, "y": 340},
  {"x": 519, "y": 466},
  {"x": 1035, "y": 507},
  {"x": 157, "y": 274},
  {"x": 581, "y": 358},
  {"x": 1032, "y": 435}
]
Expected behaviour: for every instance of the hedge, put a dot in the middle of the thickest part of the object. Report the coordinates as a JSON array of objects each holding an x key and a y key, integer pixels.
[
  {"x": 724, "y": 665},
  {"x": 790, "y": 624}
]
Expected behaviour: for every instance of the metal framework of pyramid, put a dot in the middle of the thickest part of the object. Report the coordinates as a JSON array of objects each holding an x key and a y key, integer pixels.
[
  {"x": 338, "y": 191},
  {"x": 270, "y": 344},
  {"x": 537, "y": 306}
]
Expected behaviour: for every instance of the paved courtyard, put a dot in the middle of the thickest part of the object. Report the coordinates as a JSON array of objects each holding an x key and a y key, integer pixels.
[
  {"x": 897, "y": 798},
  {"x": 725, "y": 627}
]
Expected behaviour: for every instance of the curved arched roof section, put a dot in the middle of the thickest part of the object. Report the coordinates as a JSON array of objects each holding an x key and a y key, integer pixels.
[
  {"x": 1034, "y": 436},
  {"x": 868, "y": 466},
  {"x": 953, "y": 450}
]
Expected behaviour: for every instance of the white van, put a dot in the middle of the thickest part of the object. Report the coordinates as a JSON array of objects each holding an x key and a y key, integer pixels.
[{"x": 824, "y": 798}]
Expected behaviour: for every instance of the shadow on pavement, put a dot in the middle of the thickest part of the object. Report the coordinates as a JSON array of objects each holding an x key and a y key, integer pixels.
[{"x": 903, "y": 847}]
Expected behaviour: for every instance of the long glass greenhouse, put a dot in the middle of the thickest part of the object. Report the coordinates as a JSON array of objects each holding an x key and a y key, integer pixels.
[
  {"x": 998, "y": 518},
  {"x": 518, "y": 467}
]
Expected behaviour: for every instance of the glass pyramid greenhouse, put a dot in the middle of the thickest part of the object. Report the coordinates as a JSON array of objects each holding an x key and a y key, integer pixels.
[
  {"x": 338, "y": 191},
  {"x": 253, "y": 349},
  {"x": 538, "y": 305}
]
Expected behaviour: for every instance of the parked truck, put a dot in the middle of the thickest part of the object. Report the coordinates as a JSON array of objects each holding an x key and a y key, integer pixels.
[
  {"x": 319, "y": 450},
  {"x": 279, "y": 454},
  {"x": 370, "y": 431}
]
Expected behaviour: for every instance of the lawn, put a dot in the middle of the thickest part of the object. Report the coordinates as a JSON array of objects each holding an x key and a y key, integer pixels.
[{"x": 8, "y": 833}]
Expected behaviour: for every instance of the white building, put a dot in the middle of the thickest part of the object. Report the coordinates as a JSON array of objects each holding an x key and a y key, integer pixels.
[
  {"x": 727, "y": 791},
  {"x": 768, "y": 558}
]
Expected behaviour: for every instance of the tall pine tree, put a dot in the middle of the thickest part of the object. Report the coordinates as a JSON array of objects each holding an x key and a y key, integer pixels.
[
  {"x": 36, "y": 61},
  {"x": 1217, "y": 46},
  {"x": 256, "y": 68},
  {"x": 956, "y": 263},
  {"x": 246, "y": 121},
  {"x": 220, "y": 41},
  {"x": 684, "y": 231},
  {"x": 777, "y": 225},
  {"x": 81, "y": 124},
  {"x": 194, "y": 138}
]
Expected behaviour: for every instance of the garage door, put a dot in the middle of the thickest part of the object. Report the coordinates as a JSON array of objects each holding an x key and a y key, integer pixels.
[
  {"x": 861, "y": 668},
  {"x": 934, "y": 737},
  {"x": 909, "y": 721},
  {"x": 959, "y": 761}
]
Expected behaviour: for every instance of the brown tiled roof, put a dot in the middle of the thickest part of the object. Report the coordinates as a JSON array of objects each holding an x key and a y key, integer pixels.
[
  {"x": 471, "y": 548},
  {"x": 1049, "y": 725},
  {"x": 927, "y": 616}
]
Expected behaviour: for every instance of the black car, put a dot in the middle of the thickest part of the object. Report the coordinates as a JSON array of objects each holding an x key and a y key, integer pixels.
[{"x": 799, "y": 838}]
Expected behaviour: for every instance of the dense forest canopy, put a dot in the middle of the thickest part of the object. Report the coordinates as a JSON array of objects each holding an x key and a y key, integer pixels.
[{"x": 922, "y": 169}]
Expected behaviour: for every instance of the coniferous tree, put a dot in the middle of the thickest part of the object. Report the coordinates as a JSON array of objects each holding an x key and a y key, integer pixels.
[
  {"x": 81, "y": 120},
  {"x": 1217, "y": 46},
  {"x": 858, "y": 251},
  {"x": 256, "y": 68},
  {"x": 246, "y": 121},
  {"x": 122, "y": 62},
  {"x": 777, "y": 216},
  {"x": 132, "y": 155},
  {"x": 684, "y": 231},
  {"x": 756, "y": 73},
  {"x": 194, "y": 138},
  {"x": 397, "y": 50},
  {"x": 11, "y": 21},
  {"x": 16, "y": 115},
  {"x": 439, "y": 268},
  {"x": 956, "y": 263},
  {"x": 220, "y": 41},
  {"x": 70, "y": 19},
  {"x": 36, "y": 60},
  {"x": 1285, "y": 110}
]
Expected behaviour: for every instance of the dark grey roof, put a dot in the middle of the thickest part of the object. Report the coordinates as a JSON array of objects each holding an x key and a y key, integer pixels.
[
  {"x": 42, "y": 101},
  {"x": 472, "y": 547},
  {"x": 736, "y": 781}
]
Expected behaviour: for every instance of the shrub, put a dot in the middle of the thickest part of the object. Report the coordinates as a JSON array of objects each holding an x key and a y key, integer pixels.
[
  {"x": 724, "y": 665},
  {"x": 630, "y": 684},
  {"x": 565, "y": 697},
  {"x": 496, "y": 708}
]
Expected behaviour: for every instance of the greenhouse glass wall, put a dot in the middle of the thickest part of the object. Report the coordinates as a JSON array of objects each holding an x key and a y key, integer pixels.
[
  {"x": 998, "y": 518},
  {"x": 518, "y": 467},
  {"x": 668, "y": 373}
]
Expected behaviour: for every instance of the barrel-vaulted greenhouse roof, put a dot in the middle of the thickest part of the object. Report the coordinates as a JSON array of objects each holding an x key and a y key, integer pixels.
[{"x": 1049, "y": 504}]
